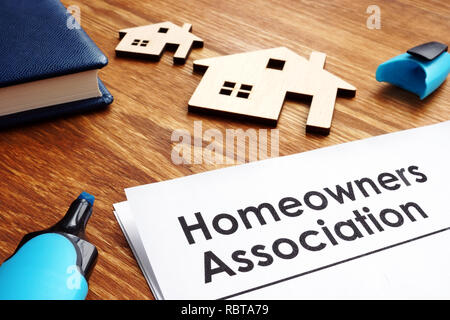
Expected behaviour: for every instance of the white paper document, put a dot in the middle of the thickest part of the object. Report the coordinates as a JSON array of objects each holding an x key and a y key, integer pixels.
[{"x": 365, "y": 219}]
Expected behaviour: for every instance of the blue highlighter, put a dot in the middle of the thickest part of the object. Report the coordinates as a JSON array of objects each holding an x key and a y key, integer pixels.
[
  {"x": 53, "y": 264},
  {"x": 420, "y": 70}
]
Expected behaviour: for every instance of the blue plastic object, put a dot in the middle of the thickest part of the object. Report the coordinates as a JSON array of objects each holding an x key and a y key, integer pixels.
[
  {"x": 414, "y": 74},
  {"x": 44, "y": 268},
  {"x": 53, "y": 264}
]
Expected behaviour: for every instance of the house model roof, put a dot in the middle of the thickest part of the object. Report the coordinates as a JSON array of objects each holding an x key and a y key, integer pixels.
[
  {"x": 293, "y": 63},
  {"x": 173, "y": 29}
]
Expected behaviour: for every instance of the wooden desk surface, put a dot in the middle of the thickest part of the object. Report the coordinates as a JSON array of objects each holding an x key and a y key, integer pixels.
[{"x": 44, "y": 166}]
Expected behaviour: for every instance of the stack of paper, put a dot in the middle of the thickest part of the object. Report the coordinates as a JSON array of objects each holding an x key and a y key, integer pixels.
[{"x": 366, "y": 219}]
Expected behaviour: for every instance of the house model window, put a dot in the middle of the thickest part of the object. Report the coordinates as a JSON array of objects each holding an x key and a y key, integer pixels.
[
  {"x": 243, "y": 92},
  {"x": 227, "y": 88},
  {"x": 163, "y": 30},
  {"x": 142, "y": 43},
  {"x": 275, "y": 64}
]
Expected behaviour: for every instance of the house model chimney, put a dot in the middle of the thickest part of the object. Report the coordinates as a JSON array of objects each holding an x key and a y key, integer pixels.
[
  {"x": 187, "y": 27},
  {"x": 318, "y": 59}
]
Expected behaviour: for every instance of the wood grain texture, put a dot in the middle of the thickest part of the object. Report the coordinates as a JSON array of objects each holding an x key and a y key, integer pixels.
[{"x": 44, "y": 166}]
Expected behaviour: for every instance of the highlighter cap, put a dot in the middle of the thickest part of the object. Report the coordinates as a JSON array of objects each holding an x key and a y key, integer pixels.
[{"x": 421, "y": 70}]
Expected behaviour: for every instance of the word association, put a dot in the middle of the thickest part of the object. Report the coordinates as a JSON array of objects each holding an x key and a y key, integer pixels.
[{"x": 364, "y": 223}]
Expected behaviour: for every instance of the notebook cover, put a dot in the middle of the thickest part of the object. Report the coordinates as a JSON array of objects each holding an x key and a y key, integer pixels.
[
  {"x": 36, "y": 43},
  {"x": 46, "y": 113}
]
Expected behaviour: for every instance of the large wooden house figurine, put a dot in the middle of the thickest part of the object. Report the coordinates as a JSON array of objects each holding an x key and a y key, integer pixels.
[
  {"x": 255, "y": 84},
  {"x": 151, "y": 41}
]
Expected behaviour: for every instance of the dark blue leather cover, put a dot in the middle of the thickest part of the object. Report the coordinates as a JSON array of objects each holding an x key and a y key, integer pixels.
[
  {"x": 35, "y": 43},
  {"x": 46, "y": 113}
]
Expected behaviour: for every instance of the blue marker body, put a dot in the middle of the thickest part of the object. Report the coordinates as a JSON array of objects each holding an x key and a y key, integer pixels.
[{"x": 53, "y": 264}]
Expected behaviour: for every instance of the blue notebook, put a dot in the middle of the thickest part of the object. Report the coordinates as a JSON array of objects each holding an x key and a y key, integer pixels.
[{"x": 48, "y": 65}]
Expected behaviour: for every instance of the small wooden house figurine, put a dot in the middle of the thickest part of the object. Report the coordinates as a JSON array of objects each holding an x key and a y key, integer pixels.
[
  {"x": 255, "y": 85},
  {"x": 151, "y": 41}
]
